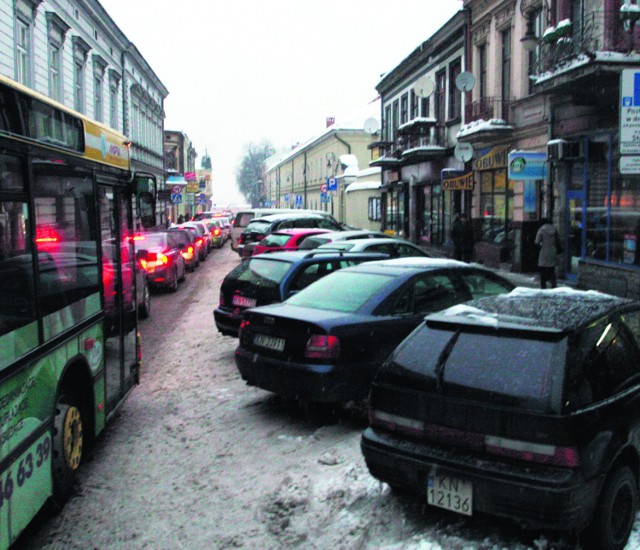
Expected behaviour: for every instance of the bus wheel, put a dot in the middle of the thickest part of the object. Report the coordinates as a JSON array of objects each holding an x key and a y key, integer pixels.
[{"x": 67, "y": 450}]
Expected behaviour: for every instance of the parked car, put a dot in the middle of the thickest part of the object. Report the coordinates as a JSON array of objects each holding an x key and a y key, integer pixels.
[
  {"x": 259, "y": 228},
  {"x": 160, "y": 254},
  {"x": 272, "y": 278},
  {"x": 243, "y": 217},
  {"x": 325, "y": 343},
  {"x": 523, "y": 406},
  {"x": 189, "y": 250},
  {"x": 394, "y": 247},
  {"x": 314, "y": 241},
  {"x": 286, "y": 239}
]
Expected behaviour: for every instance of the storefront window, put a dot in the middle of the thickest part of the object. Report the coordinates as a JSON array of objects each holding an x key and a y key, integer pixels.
[
  {"x": 613, "y": 205},
  {"x": 496, "y": 204}
]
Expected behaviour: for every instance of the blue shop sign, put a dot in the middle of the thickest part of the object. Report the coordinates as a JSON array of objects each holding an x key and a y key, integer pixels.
[{"x": 527, "y": 165}]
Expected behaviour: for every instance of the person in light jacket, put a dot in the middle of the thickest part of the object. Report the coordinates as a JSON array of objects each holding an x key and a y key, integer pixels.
[{"x": 547, "y": 239}]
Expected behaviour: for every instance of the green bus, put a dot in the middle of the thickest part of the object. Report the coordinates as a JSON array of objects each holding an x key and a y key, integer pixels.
[{"x": 69, "y": 341}]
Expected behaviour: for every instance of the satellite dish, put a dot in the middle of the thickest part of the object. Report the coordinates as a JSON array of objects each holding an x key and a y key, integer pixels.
[
  {"x": 371, "y": 125},
  {"x": 424, "y": 86},
  {"x": 465, "y": 81},
  {"x": 463, "y": 151}
]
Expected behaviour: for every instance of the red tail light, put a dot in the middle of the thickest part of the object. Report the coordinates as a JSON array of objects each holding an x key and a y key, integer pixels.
[
  {"x": 526, "y": 451},
  {"x": 243, "y": 324},
  {"x": 240, "y": 239},
  {"x": 199, "y": 240},
  {"x": 320, "y": 346},
  {"x": 216, "y": 232}
]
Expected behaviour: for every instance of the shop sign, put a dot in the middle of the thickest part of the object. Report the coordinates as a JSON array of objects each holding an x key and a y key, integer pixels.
[
  {"x": 492, "y": 158},
  {"x": 456, "y": 180},
  {"x": 527, "y": 165},
  {"x": 193, "y": 187}
]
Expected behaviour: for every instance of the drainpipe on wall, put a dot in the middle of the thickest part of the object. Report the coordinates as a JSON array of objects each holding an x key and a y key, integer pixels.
[
  {"x": 304, "y": 173},
  {"x": 123, "y": 62}
]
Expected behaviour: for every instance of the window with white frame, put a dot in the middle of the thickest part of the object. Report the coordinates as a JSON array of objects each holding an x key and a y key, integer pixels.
[
  {"x": 23, "y": 51},
  {"x": 99, "y": 67},
  {"x": 114, "y": 82},
  {"x": 56, "y": 31},
  {"x": 80, "y": 52}
]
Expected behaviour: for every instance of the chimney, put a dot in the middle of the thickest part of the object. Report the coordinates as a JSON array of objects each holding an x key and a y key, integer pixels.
[{"x": 331, "y": 121}]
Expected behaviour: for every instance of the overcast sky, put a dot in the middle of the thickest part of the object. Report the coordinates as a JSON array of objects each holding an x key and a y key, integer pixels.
[{"x": 253, "y": 70}]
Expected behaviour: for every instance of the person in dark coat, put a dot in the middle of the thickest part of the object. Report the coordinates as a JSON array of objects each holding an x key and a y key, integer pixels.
[
  {"x": 462, "y": 236},
  {"x": 180, "y": 218},
  {"x": 547, "y": 238}
]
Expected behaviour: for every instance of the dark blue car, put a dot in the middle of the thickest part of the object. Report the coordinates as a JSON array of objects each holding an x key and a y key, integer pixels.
[
  {"x": 324, "y": 344},
  {"x": 273, "y": 277}
]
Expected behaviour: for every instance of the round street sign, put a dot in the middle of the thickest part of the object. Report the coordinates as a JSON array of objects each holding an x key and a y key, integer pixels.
[
  {"x": 323, "y": 188},
  {"x": 463, "y": 151},
  {"x": 176, "y": 189}
]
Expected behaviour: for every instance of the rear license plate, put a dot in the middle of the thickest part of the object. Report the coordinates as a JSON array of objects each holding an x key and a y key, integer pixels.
[
  {"x": 269, "y": 342},
  {"x": 450, "y": 493},
  {"x": 243, "y": 301}
]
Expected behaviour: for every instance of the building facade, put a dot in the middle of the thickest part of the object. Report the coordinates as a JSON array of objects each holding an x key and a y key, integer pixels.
[
  {"x": 422, "y": 110},
  {"x": 74, "y": 53},
  {"x": 182, "y": 179},
  {"x": 314, "y": 175}
]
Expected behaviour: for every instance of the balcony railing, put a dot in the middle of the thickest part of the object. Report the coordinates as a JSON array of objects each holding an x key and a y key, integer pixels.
[
  {"x": 488, "y": 108},
  {"x": 408, "y": 145},
  {"x": 559, "y": 50}
]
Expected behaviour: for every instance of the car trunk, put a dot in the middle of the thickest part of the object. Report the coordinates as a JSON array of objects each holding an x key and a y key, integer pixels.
[{"x": 459, "y": 388}]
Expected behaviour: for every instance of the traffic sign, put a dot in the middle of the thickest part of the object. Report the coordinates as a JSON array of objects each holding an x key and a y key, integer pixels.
[
  {"x": 332, "y": 184},
  {"x": 176, "y": 198},
  {"x": 323, "y": 188},
  {"x": 630, "y": 112},
  {"x": 176, "y": 189}
]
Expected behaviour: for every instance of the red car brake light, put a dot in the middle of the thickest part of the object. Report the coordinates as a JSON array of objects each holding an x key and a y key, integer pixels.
[
  {"x": 243, "y": 324},
  {"x": 321, "y": 346},
  {"x": 216, "y": 232}
]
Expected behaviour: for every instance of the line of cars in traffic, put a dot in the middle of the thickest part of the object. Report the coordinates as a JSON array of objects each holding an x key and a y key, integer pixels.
[
  {"x": 481, "y": 397},
  {"x": 163, "y": 257}
]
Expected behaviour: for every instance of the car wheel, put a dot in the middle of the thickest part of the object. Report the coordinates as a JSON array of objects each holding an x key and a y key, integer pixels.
[
  {"x": 144, "y": 310},
  {"x": 67, "y": 449},
  {"x": 173, "y": 287},
  {"x": 615, "y": 512}
]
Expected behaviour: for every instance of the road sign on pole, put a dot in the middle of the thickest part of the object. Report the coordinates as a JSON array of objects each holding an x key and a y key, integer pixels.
[{"x": 630, "y": 112}]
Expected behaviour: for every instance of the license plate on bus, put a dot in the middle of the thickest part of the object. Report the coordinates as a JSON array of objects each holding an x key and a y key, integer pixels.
[
  {"x": 243, "y": 301},
  {"x": 269, "y": 342},
  {"x": 450, "y": 493}
]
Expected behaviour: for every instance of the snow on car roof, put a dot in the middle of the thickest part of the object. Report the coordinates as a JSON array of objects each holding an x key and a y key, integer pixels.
[{"x": 561, "y": 308}]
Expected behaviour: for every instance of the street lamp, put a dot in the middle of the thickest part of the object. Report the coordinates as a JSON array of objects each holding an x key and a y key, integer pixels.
[{"x": 529, "y": 9}]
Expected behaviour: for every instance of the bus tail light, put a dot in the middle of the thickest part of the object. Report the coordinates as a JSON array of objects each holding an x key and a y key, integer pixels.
[{"x": 321, "y": 346}]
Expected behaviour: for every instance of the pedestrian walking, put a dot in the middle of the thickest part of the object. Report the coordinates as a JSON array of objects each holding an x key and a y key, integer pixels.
[
  {"x": 462, "y": 236},
  {"x": 548, "y": 239},
  {"x": 180, "y": 218}
]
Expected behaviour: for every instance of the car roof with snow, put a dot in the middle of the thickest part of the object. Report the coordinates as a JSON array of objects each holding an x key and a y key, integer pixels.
[{"x": 558, "y": 310}]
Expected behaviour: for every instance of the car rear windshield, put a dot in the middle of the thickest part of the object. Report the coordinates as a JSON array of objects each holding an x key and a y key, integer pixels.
[
  {"x": 267, "y": 273},
  {"x": 510, "y": 368},
  {"x": 275, "y": 240},
  {"x": 314, "y": 242},
  {"x": 151, "y": 240},
  {"x": 243, "y": 219},
  {"x": 341, "y": 291},
  {"x": 258, "y": 227}
]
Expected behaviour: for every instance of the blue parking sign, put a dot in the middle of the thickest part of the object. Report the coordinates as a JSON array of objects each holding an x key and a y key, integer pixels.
[{"x": 332, "y": 184}]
